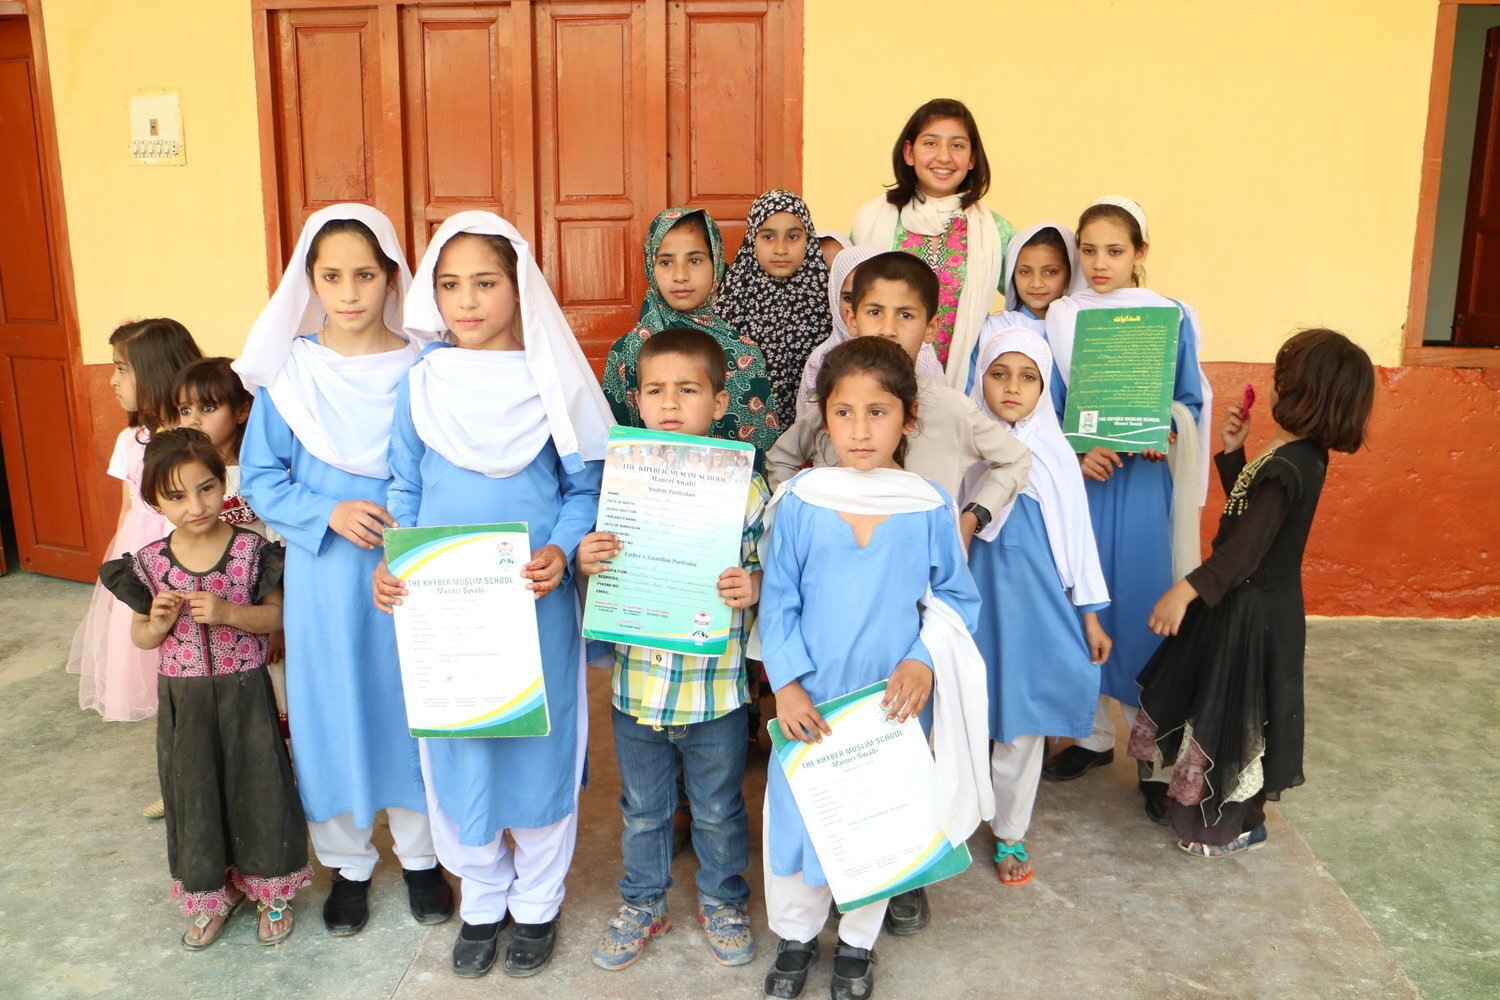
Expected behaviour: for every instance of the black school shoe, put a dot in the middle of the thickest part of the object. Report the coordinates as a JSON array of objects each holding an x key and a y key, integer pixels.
[
  {"x": 475, "y": 948},
  {"x": 908, "y": 913},
  {"x": 1075, "y": 762},
  {"x": 347, "y": 907},
  {"x": 1158, "y": 809},
  {"x": 794, "y": 959},
  {"x": 530, "y": 948},
  {"x": 853, "y": 973},
  {"x": 429, "y": 895}
]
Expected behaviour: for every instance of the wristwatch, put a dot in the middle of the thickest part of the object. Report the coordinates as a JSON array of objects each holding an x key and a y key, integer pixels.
[{"x": 981, "y": 514}]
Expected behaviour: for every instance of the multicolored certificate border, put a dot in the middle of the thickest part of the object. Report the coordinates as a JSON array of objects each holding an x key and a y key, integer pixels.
[{"x": 939, "y": 860}]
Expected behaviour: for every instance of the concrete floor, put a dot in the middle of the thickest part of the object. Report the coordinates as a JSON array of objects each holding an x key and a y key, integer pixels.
[{"x": 1381, "y": 868}]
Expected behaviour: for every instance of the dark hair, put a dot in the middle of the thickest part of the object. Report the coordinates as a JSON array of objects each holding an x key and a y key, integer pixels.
[
  {"x": 896, "y": 265},
  {"x": 976, "y": 182},
  {"x": 213, "y": 381},
  {"x": 1050, "y": 238},
  {"x": 156, "y": 350},
  {"x": 335, "y": 226},
  {"x": 1325, "y": 388},
  {"x": 504, "y": 250},
  {"x": 884, "y": 359},
  {"x": 171, "y": 450},
  {"x": 694, "y": 221},
  {"x": 1115, "y": 213},
  {"x": 692, "y": 344}
]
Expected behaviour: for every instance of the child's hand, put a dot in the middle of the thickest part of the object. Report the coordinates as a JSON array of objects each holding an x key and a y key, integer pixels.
[
  {"x": 739, "y": 587},
  {"x": 1166, "y": 617},
  {"x": 968, "y": 527},
  {"x": 1099, "y": 463},
  {"x": 907, "y": 691},
  {"x": 389, "y": 588},
  {"x": 595, "y": 552},
  {"x": 545, "y": 571},
  {"x": 165, "y": 607},
  {"x": 276, "y": 647},
  {"x": 361, "y": 521},
  {"x": 1152, "y": 455},
  {"x": 797, "y": 717},
  {"x": 208, "y": 609},
  {"x": 1235, "y": 428},
  {"x": 1098, "y": 640}
]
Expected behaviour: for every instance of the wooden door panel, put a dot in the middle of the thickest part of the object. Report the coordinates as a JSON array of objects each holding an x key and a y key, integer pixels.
[
  {"x": 328, "y": 84},
  {"x": 730, "y": 131},
  {"x": 599, "y": 177},
  {"x": 459, "y": 114},
  {"x": 1477, "y": 322},
  {"x": 38, "y": 432}
]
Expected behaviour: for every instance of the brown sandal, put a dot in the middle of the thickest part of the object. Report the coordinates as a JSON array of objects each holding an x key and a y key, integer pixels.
[{"x": 277, "y": 909}]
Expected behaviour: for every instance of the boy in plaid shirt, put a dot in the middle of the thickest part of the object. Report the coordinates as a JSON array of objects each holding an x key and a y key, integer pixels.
[{"x": 668, "y": 703}]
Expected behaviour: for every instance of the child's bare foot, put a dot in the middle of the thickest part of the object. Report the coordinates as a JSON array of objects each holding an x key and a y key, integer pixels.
[
  {"x": 205, "y": 928},
  {"x": 275, "y": 923},
  {"x": 1012, "y": 865}
]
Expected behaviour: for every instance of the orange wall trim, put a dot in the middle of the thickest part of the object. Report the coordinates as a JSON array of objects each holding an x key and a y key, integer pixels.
[{"x": 1407, "y": 528}]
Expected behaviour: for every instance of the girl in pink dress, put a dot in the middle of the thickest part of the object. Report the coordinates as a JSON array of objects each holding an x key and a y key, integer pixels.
[{"x": 116, "y": 679}]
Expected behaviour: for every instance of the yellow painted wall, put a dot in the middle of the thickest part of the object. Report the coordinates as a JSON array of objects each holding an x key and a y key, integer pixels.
[
  {"x": 180, "y": 241},
  {"x": 1275, "y": 145}
]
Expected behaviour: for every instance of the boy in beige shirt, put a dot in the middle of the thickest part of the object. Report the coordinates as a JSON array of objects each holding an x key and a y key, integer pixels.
[{"x": 895, "y": 296}]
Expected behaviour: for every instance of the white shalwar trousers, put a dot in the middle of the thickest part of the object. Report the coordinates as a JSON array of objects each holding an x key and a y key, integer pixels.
[
  {"x": 797, "y": 911},
  {"x": 1015, "y": 771},
  {"x": 1103, "y": 736},
  {"x": 340, "y": 844}
]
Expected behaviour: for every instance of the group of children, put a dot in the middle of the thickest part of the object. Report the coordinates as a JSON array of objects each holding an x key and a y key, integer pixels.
[{"x": 916, "y": 479}]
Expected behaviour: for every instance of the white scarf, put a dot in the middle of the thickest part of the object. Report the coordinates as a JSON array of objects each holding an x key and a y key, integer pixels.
[
  {"x": 1062, "y": 316},
  {"x": 340, "y": 408},
  {"x": 960, "y": 691},
  {"x": 875, "y": 224},
  {"x": 480, "y": 413},
  {"x": 1012, "y": 300},
  {"x": 1056, "y": 483}
]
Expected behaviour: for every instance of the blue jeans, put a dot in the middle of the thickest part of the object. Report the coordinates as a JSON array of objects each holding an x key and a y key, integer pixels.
[{"x": 713, "y": 764}]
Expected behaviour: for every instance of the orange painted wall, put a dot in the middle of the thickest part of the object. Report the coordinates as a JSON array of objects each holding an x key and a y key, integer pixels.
[{"x": 1410, "y": 525}]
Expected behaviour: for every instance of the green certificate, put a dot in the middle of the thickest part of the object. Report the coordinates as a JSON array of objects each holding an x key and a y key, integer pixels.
[
  {"x": 1120, "y": 385},
  {"x": 471, "y": 664},
  {"x": 677, "y": 504}
]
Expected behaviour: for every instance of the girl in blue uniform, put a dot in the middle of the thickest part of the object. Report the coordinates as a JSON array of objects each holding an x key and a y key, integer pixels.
[
  {"x": 1039, "y": 268},
  {"x": 852, "y": 551},
  {"x": 1038, "y": 569},
  {"x": 502, "y": 420},
  {"x": 1141, "y": 510},
  {"x": 326, "y": 357}
]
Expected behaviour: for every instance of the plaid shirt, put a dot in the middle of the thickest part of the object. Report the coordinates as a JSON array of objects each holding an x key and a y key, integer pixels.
[{"x": 660, "y": 688}]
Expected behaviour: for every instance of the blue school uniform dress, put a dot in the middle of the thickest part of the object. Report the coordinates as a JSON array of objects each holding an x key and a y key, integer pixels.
[
  {"x": 490, "y": 784},
  {"x": 838, "y": 617},
  {"x": 353, "y": 751},
  {"x": 1131, "y": 513}
]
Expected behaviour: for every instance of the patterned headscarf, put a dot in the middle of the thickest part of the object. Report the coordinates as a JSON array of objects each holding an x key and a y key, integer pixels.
[
  {"x": 751, "y": 415},
  {"x": 787, "y": 317}
]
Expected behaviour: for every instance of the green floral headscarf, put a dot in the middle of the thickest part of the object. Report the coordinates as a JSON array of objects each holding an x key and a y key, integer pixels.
[{"x": 752, "y": 412}]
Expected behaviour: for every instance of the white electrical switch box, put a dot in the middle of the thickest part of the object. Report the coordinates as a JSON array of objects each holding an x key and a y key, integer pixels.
[{"x": 156, "y": 128}]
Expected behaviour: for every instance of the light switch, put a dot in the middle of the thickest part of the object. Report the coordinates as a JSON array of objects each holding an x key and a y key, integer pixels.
[{"x": 156, "y": 128}]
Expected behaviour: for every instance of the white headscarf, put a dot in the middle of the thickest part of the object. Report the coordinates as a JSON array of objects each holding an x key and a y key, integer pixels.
[
  {"x": 1056, "y": 483},
  {"x": 837, "y": 235},
  {"x": 490, "y": 414},
  {"x": 875, "y": 223},
  {"x": 1012, "y": 300},
  {"x": 339, "y": 408},
  {"x": 843, "y": 265}
]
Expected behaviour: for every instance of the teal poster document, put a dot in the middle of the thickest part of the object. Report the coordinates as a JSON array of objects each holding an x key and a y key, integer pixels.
[
  {"x": 466, "y": 633},
  {"x": 677, "y": 504},
  {"x": 867, "y": 798},
  {"x": 1120, "y": 385}
]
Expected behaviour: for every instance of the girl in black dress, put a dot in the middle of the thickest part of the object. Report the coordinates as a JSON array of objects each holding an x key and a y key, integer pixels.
[{"x": 1221, "y": 700}]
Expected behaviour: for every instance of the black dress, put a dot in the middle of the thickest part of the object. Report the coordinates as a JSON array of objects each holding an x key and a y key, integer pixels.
[{"x": 1222, "y": 699}]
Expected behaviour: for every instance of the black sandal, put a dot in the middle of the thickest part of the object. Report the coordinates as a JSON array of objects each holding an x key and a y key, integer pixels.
[
  {"x": 794, "y": 959},
  {"x": 853, "y": 973}
]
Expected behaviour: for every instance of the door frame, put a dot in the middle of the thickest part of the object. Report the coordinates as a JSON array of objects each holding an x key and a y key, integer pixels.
[{"x": 99, "y": 516}]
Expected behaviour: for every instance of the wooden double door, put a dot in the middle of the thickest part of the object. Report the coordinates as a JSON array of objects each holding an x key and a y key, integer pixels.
[{"x": 578, "y": 120}]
